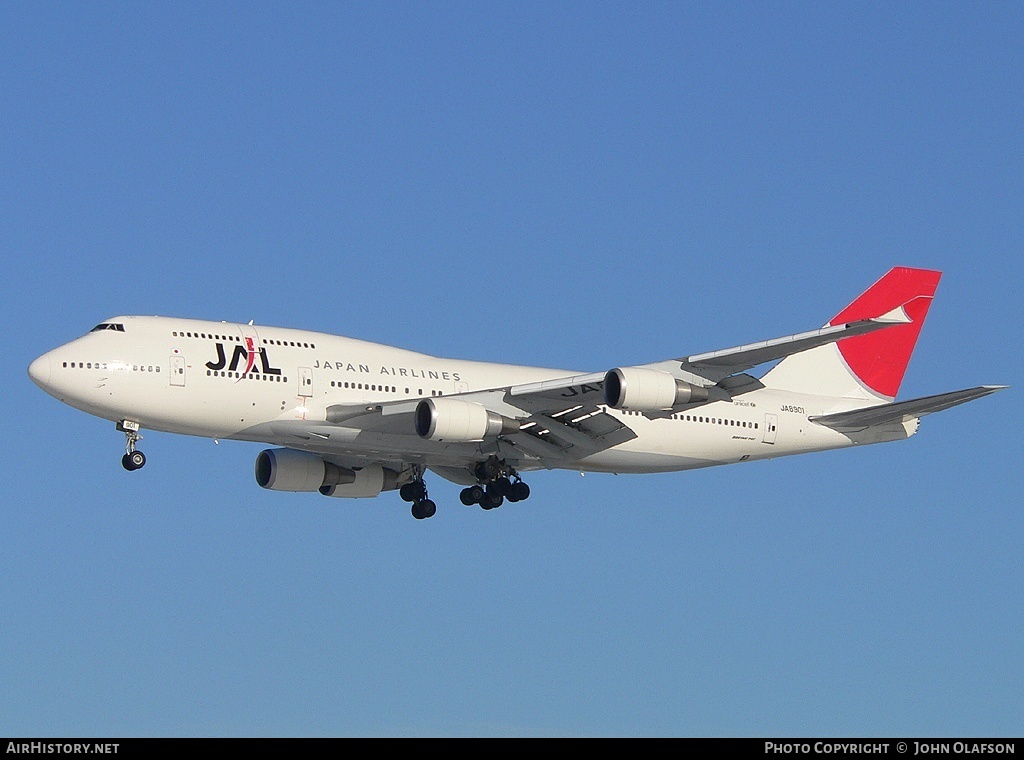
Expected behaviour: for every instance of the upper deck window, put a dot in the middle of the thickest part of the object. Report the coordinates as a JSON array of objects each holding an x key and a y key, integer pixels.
[{"x": 108, "y": 326}]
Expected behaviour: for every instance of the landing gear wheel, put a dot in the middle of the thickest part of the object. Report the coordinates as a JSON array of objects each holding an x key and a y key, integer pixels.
[
  {"x": 133, "y": 461},
  {"x": 488, "y": 470},
  {"x": 492, "y": 498},
  {"x": 421, "y": 510},
  {"x": 520, "y": 492},
  {"x": 472, "y": 495},
  {"x": 414, "y": 491}
]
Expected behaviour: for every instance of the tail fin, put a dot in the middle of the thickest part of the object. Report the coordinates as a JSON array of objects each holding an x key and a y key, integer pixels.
[{"x": 869, "y": 367}]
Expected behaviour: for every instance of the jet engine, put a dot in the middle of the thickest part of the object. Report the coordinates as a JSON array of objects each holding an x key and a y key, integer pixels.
[
  {"x": 369, "y": 481},
  {"x": 291, "y": 470},
  {"x": 642, "y": 389},
  {"x": 451, "y": 419}
]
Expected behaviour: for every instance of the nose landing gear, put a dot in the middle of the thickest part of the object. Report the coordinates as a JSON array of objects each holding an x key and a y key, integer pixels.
[{"x": 133, "y": 459}]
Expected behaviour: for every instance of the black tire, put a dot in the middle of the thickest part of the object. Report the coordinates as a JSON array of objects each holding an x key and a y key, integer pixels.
[
  {"x": 466, "y": 497},
  {"x": 487, "y": 470},
  {"x": 133, "y": 461},
  {"x": 521, "y": 491},
  {"x": 503, "y": 486},
  {"x": 421, "y": 510},
  {"x": 413, "y": 491},
  {"x": 492, "y": 500}
]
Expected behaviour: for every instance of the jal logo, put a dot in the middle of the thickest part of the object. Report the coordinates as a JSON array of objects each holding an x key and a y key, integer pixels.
[
  {"x": 579, "y": 390},
  {"x": 243, "y": 356}
]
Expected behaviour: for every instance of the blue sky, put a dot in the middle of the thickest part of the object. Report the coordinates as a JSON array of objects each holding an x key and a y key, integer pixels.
[{"x": 560, "y": 184}]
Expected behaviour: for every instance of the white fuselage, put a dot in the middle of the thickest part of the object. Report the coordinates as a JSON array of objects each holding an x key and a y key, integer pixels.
[{"x": 198, "y": 378}]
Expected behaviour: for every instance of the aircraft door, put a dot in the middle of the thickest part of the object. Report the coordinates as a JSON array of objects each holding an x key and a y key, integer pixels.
[
  {"x": 305, "y": 382},
  {"x": 178, "y": 370},
  {"x": 771, "y": 422}
]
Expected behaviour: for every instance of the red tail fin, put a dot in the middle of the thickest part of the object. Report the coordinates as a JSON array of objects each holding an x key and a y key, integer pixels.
[
  {"x": 868, "y": 367},
  {"x": 879, "y": 359}
]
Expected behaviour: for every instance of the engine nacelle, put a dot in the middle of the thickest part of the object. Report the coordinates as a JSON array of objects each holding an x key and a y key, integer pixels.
[
  {"x": 369, "y": 481},
  {"x": 642, "y": 389},
  {"x": 452, "y": 419},
  {"x": 291, "y": 470}
]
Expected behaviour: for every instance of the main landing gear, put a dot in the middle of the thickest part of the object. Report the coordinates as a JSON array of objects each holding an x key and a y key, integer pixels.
[
  {"x": 133, "y": 459},
  {"x": 498, "y": 483},
  {"x": 416, "y": 492}
]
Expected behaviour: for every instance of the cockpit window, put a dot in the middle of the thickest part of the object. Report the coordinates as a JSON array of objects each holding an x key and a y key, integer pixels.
[{"x": 108, "y": 326}]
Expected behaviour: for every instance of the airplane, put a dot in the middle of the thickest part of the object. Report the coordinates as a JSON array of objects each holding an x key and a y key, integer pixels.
[{"x": 352, "y": 419}]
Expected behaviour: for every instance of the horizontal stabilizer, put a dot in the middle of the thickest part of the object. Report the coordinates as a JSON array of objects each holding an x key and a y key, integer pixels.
[{"x": 859, "y": 419}]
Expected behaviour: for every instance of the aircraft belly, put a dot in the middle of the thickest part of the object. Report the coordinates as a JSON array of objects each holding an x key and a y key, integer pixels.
[{"x": 624, "y": 461}]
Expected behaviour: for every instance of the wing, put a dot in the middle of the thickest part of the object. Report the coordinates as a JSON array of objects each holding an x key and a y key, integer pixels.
[
  {"x": 716, "y": 365},
  {"x": 558, "y": 421},
  {"x": 555, "y": 421}
]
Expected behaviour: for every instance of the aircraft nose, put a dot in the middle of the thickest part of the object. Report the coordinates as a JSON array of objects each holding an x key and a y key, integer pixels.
[{"x": 39, "y": 371}]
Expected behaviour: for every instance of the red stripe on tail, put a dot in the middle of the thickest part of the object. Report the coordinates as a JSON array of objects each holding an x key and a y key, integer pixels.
[{"x": 879, "y": 359}]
